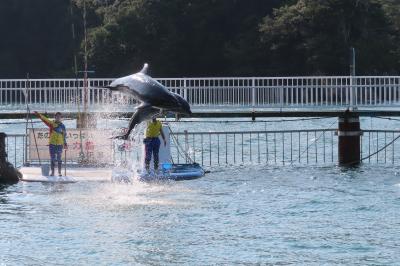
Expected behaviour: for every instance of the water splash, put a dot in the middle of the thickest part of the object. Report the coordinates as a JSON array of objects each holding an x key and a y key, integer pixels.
[{"x": 130, "y": 159}]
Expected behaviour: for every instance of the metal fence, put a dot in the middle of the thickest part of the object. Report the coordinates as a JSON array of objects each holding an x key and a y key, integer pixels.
[
  {"x": 380, "y": 146},
  {"x": 280, "y": 147},
  {"x": 311, "y": 146},
  {"x": 335, "y": 91},
  {"x": 16, "y": 149}
]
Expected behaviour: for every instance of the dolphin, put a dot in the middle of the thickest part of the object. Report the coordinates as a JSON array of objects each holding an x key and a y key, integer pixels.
[{"x": 154, "y": 98}]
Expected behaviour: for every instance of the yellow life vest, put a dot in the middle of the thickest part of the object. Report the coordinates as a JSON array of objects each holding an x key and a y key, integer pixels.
[
  {"x": 57, "y": 131},
  {"x": 153, "y": 129}
]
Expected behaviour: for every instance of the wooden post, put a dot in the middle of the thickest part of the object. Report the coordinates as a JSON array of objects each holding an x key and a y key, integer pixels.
[
  {"x": 349, "y": 134},
  {"x": 8, "y": 174}
]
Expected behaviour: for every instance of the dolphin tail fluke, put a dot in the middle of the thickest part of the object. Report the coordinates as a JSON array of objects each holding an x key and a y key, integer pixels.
[{"x": 144, "y": 69}]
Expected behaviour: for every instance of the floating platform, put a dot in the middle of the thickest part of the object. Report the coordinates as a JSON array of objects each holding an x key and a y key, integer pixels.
[
  {"x": 177, "y": 172},
  {"x": 75, "y": 174}
]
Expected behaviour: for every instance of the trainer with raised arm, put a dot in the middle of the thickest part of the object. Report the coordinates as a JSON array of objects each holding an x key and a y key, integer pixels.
[
  {"x": 152, "y": 142},
  {"x": 57, "y": 139}
]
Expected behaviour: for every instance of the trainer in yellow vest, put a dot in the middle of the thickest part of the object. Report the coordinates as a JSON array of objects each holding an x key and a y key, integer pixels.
[
  {"x": 152, "y": 142},
  {"x": 57, "y": 139},
  {"x": 153, "y": 129}
]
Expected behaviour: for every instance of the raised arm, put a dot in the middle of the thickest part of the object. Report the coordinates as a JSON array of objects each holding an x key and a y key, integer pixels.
[{"x": 45, "y": 120}]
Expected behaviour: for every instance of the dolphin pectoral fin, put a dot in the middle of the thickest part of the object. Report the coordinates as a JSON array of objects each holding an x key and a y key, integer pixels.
[
  {"x": 144, "y": 69},
  {"x": 143, "y": 112}
]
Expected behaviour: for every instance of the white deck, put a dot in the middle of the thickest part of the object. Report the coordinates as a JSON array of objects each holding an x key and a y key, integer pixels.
[{"x": 79, "y": 174}]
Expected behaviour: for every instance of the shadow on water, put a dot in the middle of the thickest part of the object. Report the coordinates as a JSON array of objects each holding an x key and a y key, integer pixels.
[
  {"x": 352, "y": 171},
  {"x": 3, "y": 193}
]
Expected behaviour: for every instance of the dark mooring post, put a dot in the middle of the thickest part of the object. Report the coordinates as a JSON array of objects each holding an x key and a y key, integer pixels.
[
  {"x": 8, "y": 174},
  {"x": 349, "y": 134}
]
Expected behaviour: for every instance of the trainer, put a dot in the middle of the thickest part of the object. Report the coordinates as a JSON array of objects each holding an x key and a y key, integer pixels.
[
  {"x": 152, "y": 142},
  {"x": 57, "y": 140}
]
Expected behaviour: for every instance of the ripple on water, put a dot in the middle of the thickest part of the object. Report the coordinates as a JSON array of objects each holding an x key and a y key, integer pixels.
[{"x": 243, "y": 215}]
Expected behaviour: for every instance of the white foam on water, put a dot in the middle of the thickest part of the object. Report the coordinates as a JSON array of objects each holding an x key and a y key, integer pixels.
[{"x": 134, "y": 194}]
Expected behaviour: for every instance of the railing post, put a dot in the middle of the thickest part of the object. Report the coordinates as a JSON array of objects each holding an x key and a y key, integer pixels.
[
  {"x": 351, "y": 92},
  {"x": 253, "y": 92},
  {"x": 353, "y": 81},
  {"x": 281, "y": 94},
  {"x": 185, "y": 95},
  {"x": 89, "y": 89},
  {"x": 45, "y": 95},
  {"x": 26, "y": 93},
  {"x": 186, "y": 146}
]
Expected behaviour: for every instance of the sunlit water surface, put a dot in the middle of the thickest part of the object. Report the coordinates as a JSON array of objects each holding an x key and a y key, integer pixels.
[
  {"x": 261, "y": 214},
  {"x": 282, "y": 216}
]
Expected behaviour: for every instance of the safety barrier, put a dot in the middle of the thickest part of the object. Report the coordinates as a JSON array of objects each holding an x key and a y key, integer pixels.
[
  {"x": 279, "y": 147},
  {"x": 318, "y": 92}
]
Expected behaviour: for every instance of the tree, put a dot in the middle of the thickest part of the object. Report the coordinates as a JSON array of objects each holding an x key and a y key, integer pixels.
[
  {"x": 35, "y": 40},
  {"x": 314, "y": 37},
  {"x": 179, "y": 37}
]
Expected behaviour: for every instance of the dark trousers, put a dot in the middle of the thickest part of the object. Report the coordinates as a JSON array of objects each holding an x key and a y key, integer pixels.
[
  {"x": 55, "y": 152},
  {"x": 152, "y": 147},
  {"x": 55, "y": 156}
]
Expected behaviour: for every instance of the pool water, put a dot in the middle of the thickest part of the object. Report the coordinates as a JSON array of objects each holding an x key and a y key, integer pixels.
[
  {"x": 236, "y": 215},
  {"x": 249, "y": 214}
]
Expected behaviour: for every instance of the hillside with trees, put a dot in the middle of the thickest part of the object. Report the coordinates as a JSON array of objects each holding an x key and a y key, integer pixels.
[{"x": 182, "y": 38}]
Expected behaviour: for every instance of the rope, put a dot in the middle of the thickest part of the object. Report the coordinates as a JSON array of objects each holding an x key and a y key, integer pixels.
[
  {"x": 28, "y": 112},
  {"x": 256, "y": 121},
  {"x": 241, "y": 121},
  {"x": 185, "y": 154},
  {"x": 387, "y": 118},
  {"x": 312, "y": 143},
  {"x": 374, "y": 153},
  {"x": 383, "y": 148}
]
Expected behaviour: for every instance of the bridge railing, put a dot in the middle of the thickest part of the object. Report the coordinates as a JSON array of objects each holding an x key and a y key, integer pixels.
[{"x": 328, "y": 91}]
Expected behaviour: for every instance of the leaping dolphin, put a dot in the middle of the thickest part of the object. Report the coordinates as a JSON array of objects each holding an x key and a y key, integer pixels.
[{"x": 154, "y": 98}]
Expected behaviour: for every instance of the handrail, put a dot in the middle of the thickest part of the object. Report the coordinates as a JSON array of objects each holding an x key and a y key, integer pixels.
[
  {"x": 256, "y": 132},
  {"x": 300, "y": 146}
]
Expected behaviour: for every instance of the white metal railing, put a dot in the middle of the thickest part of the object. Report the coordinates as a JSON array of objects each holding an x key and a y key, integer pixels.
[
  {"x": 334, "y": 91},
  {"x": 274, "y": 147}
]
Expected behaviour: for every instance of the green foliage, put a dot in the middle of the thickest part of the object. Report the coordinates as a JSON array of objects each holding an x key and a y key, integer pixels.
[
  {"x": 314, "y": 37},
  {"x": 35, "y": 38},
  {"x": 178, "y": 37},
  {"x": 200, "y": 37}
]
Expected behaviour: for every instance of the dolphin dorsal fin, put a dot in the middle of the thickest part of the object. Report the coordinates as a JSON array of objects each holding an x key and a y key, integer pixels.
[{"x": 144, "y": 69}]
